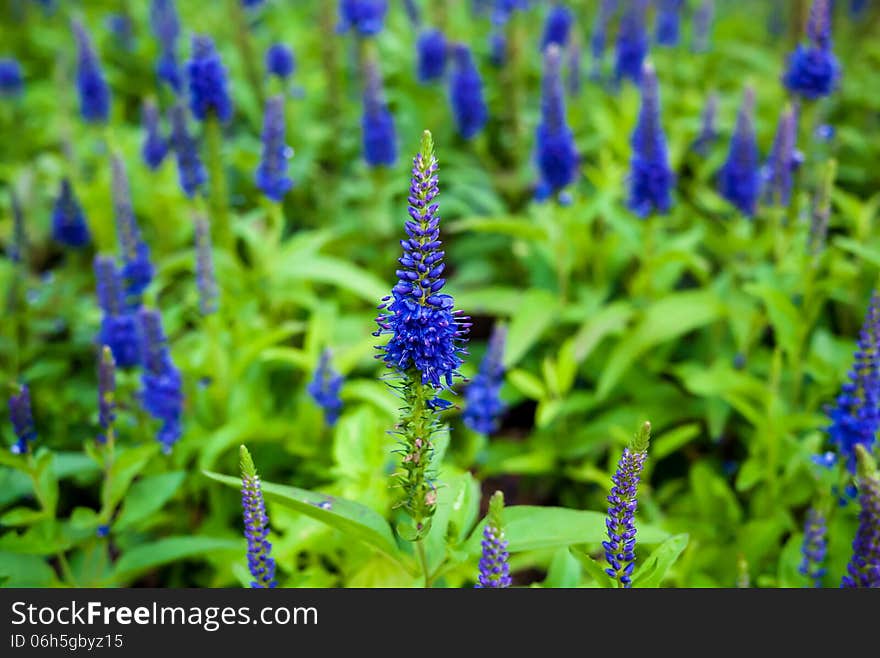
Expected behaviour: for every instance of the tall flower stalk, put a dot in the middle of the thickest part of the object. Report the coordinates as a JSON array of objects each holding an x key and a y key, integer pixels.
[
  {"x": 651, "y": 178},
  {"x": 815, "y": 546},
  {"x": 813, "y": 71},
  {"x": 863, "y": 569},
  {"x": 740, "y": 177},
  {"x": 256, "y": 525},
  {"x": 623, "y": 499},
  {"x": 22, "y": 420},
  {"x": 425, "y": 344},
  {"x": 495, "y": 560}
]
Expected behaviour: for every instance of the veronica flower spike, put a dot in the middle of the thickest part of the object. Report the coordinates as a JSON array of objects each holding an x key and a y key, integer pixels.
[
  {"x": 556, "y": 154},
  {"x": 425, "y": 338},
  {"x": 11, "y": 79},
  {"x": 190, "y": 170},
  {"x": 324, "y": 389},
  {"x": 855, "y": 415},
  {"x": 495, "y": 560},
  {"x": 703, "y": 17},
  {"x": 623, "y": 500},
  {"x": 466, "y": 93},
  {"x": 280, "y": 61},
  {"x": 430, "y": 55},
  {"x": 106, "y": 395},
  {"x": 22, "y": 420},
  {"x": 155, "y": 146},
  {"x": 94, "y": 94},
  {"x": 557, "y": 27},
  {"x": 815, "y": 547},
  {"x": 650, "y": 179},
  {"x": 740, "y": 177},
  {"x": 377, "y": 122},
  {"x": 271, "y": 176},
  {"x": 166, "y": 27},
  {"x": 863, "y": 569},
  {"x": 120, "y": 330},
  {"x": 632, "y": 42},
  {"x": 483, "y": 404},
  {"x": 208, "y": 92},
  {"x": 137, "y": 269},
  {"x": 708, "y": 131},
  {"x": 599, "y": 36},
  {"x": 69, "y": 226},
  {"x": 783, "y": 161},
  {"x": 813, "y": 71},
  {"x": 162, "y": 386},
  {"x": 668, "y": 19},
  {"x": 366, "y": 17},
  {"x": 256, "y": 525},
  {"x": 205, "y": 279}
]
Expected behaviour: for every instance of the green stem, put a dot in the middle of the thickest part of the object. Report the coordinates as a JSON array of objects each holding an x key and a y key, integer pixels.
[
  {"x": 423, "y": 560},
  {"x": 220, "y": 225},
  {"x": 246, "y": 51}
]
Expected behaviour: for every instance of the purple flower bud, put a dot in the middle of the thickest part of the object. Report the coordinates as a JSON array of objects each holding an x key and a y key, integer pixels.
[
  {"x": 466, "y": 94},
  {"x": 22, "y": 420},
  {"x": 69, "y": 226},
  {"x": 94, "y": 94},
  {"x": 271, "y": 177},
  {"x": 740, "y": 177},
  {"x": 324, "y": 389}
]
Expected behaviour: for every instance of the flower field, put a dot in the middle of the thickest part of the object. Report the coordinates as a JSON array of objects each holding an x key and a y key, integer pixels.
[{"x": 461, "y": 293}]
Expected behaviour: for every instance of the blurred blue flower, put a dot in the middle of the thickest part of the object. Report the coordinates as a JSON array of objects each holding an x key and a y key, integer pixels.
[
  {"x": 68, "y": 221},
  {"x": 466, "y": 93},
  {"x": 208, "y": 91},
  {"x": 119, "y": 326},
  {"x": 106, "y": 393},
  {"x": 162, "y": 386},
  {"x": 205, "y": 280},
  {"x": 668, "y": 19},
  {"x": 377, "y": 122},
  {"x": 364, "y": 16},
  {"x": 702, "y": 21},
  {"x": 557, "y": 27},
  {"x": 11, "y": 80},
  {"x": 137, "y": 269},
  {"x": 280, "y": 60},
  {"x": 599, "y": 36},
  {"x": 22, "y": 420},
  {"x": 166, "y": 28},
  {"x": 271, "y": 177},
  {"x": 708, "y": 131},
  {"x": 190, "y": 170},
  {"x": 324, "y": 389},
  {"x": 813, "y": 71},
  {"x": 155, "y": 146},
  {"x": 650, "y": 178},
  {"x": 783, "y": 161},
  {"x": 740, "y": 177},
  {"x": 814, "y": 547},
  {"x": 94, "y": 94},
  {"x": 556, "y": 154},
  {"x": 431, "y": 55},
  {"x": 483, "y": 404},
  {"x": 632, "y": 42},
  {"x": 495, "y": 559}
]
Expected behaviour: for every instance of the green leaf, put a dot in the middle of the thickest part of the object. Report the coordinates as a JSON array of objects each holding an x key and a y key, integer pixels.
[
  {"x": 527, "y": 383},
  {"x": 531, "y": 528},
  {"x": 534, "y": 315},
  {"x": 665, "y": 320},
  {"x": 326, "y": 269},
  {"x": 22, "y": 516},
  {"x": 171, "y": 549},
  {"x": 146, "y": 496},
  {"x": 514, "y": 227},
  {"x": 593, "y": 568},
  {"x": 125, "y": 468},
  {"x": 564, "y": 570},
  {"x": 654, "y": 569},
  {"x": 351, "y": 518},
  {"x": 26, "y": 571}
]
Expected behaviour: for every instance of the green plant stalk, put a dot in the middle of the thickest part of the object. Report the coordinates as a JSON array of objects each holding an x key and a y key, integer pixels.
[
  {"x": 220, "y": 224},
  {"x": 419, "y": 495},
  {"x": 246, "y": 52}
]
